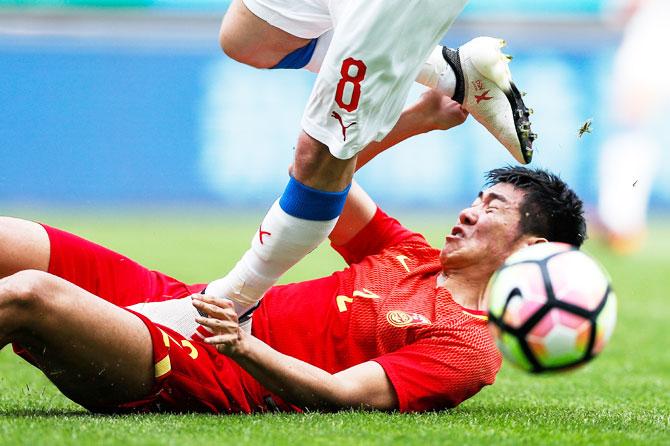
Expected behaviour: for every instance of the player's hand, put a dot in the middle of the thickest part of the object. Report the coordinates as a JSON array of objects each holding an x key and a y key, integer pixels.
[
  {"x": 221, "y": 320},
  {"x": 439, "y": 111}
]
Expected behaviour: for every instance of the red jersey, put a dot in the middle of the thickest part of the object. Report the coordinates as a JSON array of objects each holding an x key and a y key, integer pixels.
[{"x": 386, "y": 307}]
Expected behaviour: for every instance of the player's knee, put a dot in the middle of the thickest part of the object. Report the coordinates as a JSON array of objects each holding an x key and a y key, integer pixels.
[
  {"x": 23, "y": 293},
  {"x": 11, "y": 229},
  {"x": 228, "y": 45},
  {"x": 23, "y": 245}
]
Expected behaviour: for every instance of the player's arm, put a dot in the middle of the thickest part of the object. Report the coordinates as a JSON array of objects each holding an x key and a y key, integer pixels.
[
  {"x": 362, "y": 386},
  {"x": 357, "y": 212},
  {"x": 433, "y": 111}
]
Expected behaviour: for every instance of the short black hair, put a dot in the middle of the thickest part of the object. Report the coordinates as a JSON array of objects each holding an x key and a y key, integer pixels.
[{"x": 550, "y": 208}]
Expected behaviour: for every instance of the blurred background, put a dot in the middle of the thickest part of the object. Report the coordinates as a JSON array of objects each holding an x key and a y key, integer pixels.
[
  {"x": 122, "y": 121},
  {"x": 131, "y": 102}
]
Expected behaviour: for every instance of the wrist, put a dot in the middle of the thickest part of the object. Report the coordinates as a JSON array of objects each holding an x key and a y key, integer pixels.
[
  {"x": 239, "y": 349},
  {"x": 418, "y": 121}
]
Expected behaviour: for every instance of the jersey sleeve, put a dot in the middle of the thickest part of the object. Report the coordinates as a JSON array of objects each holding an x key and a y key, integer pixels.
[
  {"x": 434, "y": 373},
  {"x": 380, "y": 233}
]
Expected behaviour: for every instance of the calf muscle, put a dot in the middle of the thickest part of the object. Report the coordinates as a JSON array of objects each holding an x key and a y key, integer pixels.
[{"x": 316, "y": 167}]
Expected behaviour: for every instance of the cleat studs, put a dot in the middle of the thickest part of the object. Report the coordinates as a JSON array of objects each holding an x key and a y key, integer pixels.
[
  {"x": 523, "y": 93},
  {"x": 502, "y": 42},
  {"x": 532, "y": 136},
  {"x": 508, "y": 57},
  {"x": 530, "y": 111}
]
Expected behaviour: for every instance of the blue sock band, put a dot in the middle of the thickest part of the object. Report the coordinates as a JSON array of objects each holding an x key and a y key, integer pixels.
[
  {"x": 307, "y": 203},
  {"x": 298, "y": 58}
]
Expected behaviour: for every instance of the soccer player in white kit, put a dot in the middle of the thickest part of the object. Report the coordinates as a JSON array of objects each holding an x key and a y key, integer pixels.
[
  {"x": 367, "y": 55},
  {"x": 630, "y": 156}
]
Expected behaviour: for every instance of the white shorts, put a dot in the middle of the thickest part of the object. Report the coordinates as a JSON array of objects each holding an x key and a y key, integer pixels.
[{"x": 377, "y": 50}]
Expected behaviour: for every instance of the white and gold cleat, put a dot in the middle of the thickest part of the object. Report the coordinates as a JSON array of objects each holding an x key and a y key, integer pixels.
[{"x": 485, "y": 89}]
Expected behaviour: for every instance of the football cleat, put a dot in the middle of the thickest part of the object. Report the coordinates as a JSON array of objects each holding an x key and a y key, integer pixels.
[{"x": 485, "y": 89}]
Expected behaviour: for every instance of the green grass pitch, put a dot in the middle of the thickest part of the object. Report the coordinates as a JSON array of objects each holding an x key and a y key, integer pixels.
[{"x": 622, "y": 397}]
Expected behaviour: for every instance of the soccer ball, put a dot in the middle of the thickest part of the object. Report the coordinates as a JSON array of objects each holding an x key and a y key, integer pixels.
[{"x": 551, "y": 307}]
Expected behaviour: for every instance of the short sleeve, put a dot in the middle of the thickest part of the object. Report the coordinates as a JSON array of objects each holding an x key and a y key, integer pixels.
[
  {"x": 439, "y": 373},
  {"x": 380, "y": 233}
]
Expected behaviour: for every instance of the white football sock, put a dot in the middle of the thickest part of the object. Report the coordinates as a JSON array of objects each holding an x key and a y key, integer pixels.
[
  {"x": 436, "y": 73},
  {"x": 281, "y": 241}
]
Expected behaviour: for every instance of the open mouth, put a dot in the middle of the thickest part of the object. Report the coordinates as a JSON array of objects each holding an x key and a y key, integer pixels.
[{"x": 457, "y": 231}]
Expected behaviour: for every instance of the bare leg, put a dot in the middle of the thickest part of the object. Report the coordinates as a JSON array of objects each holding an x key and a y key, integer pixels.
[
  {"x": 96, "y": 353},
  {"x": 253, "y": 41},
  {"x": 23, "y": 245},
  {"x": 315, "y": 167}
]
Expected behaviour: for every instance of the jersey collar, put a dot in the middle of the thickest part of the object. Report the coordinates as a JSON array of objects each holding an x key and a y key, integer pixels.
[{"x": 439, "y": 283}]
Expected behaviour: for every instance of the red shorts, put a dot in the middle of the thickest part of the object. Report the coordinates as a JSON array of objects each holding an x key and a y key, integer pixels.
[{"x": 189, "y": 375}]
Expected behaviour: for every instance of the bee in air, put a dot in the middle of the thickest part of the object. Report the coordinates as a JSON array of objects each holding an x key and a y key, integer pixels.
[{"x": 585, "y": 128}]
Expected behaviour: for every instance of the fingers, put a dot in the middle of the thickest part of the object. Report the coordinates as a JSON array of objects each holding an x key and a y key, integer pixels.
[
  {"x": 450, "y": 114},
  {"x": 462, "y": 113},
  {"x": 215, "y": 307},
  {"x": 221, "y": 321},
  {"x": 223, "y": 340},
  {"x": 214, "y": 300},
  {"x": 439, "y": 111},
  {"x": 217, "y": 325}
]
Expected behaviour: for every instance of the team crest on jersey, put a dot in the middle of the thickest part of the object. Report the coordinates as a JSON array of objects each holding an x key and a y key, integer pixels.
[{"x": 399, "y": 318}]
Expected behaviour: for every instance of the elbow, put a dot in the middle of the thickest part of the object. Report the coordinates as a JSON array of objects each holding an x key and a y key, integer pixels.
[
  {"x": 347, "y": 396},
  {"x": 335, "y": 397}
]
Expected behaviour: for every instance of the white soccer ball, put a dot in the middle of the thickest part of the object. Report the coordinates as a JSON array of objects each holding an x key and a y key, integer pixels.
[{"x": 551, "y": 307}]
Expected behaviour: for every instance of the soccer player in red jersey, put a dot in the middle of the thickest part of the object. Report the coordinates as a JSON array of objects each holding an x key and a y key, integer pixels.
[{"x": 402, "y": 328}]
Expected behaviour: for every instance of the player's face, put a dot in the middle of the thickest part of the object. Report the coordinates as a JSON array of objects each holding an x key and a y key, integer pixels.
[{"x": 487, "y": 232}]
